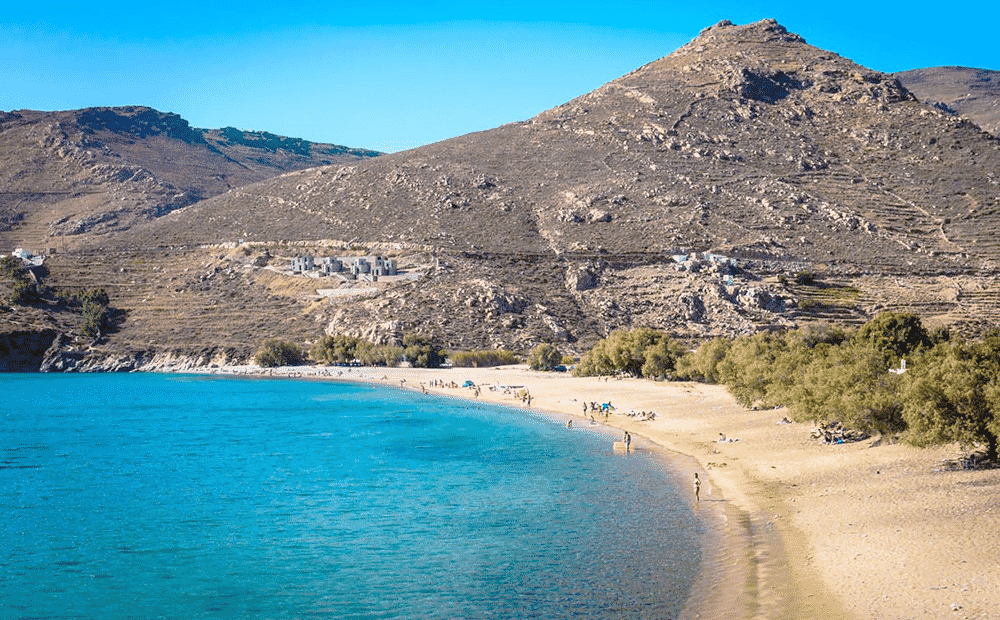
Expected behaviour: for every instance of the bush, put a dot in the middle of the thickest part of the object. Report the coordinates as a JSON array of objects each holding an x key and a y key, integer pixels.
[
  {"x": 422, "y": 351},
  {"x": 274, "y": 353},
  {"x": 949, "y": 393},
  {"x": 952, "y": 393},
  {"x": 379, "y": 355},
  {"x": 24, "y": 293},
  {"x": 819, "y": 374},
  {"x": 544, "y": 357},
  {"x": 746, "y": 370},
  {"x": 338, "y": 349},
  {"x": 640, "y": 352},
  {"x": 96, "y": 296},
  {"x": 482, "y": 358},
  {"x": 703, "y": 363},
  {"x": 893, "y": 335},
  {"x": 10, "y": 267},
  {"x": 342, "y": 349},
  {"x": 846, "y": 383},
  {"x": 804, "y": 278},
  {"x": 661, "y": 359},
  {"x": 95, "y": 320}
]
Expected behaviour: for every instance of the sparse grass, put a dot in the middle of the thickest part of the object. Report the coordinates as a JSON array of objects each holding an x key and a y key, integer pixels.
[{"x": 821, "y": 293}]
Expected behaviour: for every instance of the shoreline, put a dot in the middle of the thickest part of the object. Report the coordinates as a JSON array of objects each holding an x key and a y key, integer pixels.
[{"x": 794, "y": 528}]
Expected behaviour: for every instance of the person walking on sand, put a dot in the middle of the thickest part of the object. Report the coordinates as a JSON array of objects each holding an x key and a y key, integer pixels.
[{"x": 697, "y": 487}]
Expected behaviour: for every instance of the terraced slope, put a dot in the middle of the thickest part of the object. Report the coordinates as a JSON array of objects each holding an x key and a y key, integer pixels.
[
  {"x": 191, "y": 300},
  {"x": 613, "y": 210}
]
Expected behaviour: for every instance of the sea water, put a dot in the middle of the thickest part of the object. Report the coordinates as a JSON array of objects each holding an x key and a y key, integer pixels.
[{"x": 190, "y": 496}]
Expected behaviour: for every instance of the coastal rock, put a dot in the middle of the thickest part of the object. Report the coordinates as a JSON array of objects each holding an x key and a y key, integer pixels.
[{"x": 59, "y": 357}]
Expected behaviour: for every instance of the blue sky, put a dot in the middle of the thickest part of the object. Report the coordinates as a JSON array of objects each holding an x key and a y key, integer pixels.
[{"x": 392, "y": 75}]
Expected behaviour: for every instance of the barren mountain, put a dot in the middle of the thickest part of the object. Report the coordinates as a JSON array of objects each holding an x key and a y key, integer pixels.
[
  {"x": 973, "y": 93},
  {"x": 746, "y": 139},
  {"x": 746, "y": 181},
  {"x": 87, "y": 172}
]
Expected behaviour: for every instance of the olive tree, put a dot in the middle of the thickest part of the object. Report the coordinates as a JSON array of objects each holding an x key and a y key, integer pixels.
[
  {"x": 274, "y": 352},
  {"x": 422, "y": 351},
  {"x": 892, "y": 335},
  {"x": 952, "y": 394},
  {"x": 544, "y": 357}
]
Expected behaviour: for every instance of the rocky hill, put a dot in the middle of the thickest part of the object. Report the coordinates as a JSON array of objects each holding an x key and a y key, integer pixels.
[
  {"x": 972, "y": 93},
  {"x": 746, "y": 181},
  {"x": 67, "y": 176}
]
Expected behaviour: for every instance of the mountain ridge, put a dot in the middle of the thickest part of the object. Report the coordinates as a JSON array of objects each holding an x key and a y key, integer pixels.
[
  {"x": 95, "y": 170},
  {"x": 970, "y": 92},
  {"x": 482, "y": 171}
]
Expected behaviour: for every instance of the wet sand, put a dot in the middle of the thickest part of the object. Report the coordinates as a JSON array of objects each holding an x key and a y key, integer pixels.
[{"x": 795, "y": 528}]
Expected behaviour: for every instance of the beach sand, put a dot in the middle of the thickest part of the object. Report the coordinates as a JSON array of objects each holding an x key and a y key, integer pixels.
[{"x": 795, "y": 528}]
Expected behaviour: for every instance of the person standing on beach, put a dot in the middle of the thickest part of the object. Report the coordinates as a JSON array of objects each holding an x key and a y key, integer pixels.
[
  {"x": 697, "y": 487},
  {"x": 628, "y": 440}
]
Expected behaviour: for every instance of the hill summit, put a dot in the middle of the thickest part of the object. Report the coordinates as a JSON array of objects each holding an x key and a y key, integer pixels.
[
  {"x": 746, "y": 181},
  {"x": 745, "y": 139},
  {"x": 80, "y": 173}
]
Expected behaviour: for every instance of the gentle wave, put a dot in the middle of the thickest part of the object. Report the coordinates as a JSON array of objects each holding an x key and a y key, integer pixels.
[{"x": 207, "y": 497}]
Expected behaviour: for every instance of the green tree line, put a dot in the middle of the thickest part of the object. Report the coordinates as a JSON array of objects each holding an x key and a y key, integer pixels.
[
  {"x": 418, "y": 351},
  {"x": 949, "y": 391}
]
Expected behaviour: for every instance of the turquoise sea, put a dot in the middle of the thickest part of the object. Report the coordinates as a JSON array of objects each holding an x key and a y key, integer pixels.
[{"x": 190, "y": 496}]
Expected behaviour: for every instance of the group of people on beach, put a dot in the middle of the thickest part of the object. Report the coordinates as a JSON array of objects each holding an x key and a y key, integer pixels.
[{"x": 605, "y": 408}]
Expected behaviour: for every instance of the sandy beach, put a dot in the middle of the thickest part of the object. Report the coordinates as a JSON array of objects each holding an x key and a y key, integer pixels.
[{"x": 795, "y": 528}]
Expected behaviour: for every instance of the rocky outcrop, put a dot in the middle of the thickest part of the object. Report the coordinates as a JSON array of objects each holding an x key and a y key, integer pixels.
[
  {"x": 582, "y": 277},
  {"x": 62, "y": 358}
]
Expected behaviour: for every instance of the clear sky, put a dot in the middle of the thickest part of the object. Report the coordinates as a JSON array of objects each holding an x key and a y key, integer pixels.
[{"x": 390, "y": 75}]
